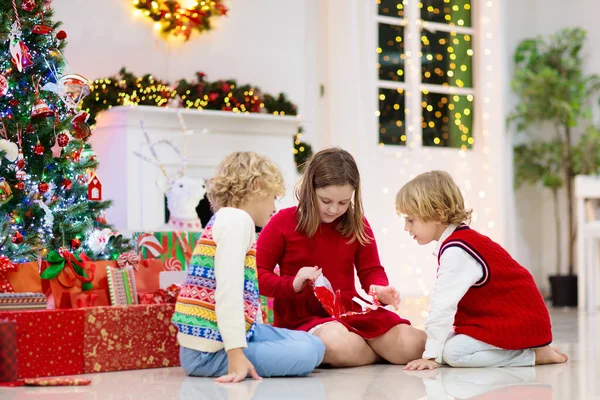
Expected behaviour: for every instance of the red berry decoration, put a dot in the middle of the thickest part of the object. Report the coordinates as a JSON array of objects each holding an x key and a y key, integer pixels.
[
  {"x": 17, "y": 238},
  {"x": 62, "y": 139},
  {"x": 21, "y": 164},
  {"x": 29, "y": 129},
  {"x": 225, "y": 87},
  {"x": 20, "y": 185},
  {"x": 43, "y": 187},
  {"x": 62, "y": 35},
  {"x": 39, "y": 149},
  {"x": 13, "y": 102}
]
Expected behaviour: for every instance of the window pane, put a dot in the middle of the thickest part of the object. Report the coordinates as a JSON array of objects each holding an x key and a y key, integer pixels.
[
  {"x": 453, "y": 12},
  {"x": 391, "y": 117},
  {"x": 447, "y": 120},
  {"x": 390, "y": 8},
  {"x": 391, "y": 53},
  {"x": 447, "y": 59}
]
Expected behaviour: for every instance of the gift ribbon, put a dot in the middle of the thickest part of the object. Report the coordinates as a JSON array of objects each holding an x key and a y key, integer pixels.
[
  {"x": 130, "y": 258},
  {"x": 86, "y": 300},
  {"x": 58, "y": 260},
  {"x": 6, "y": 266}
]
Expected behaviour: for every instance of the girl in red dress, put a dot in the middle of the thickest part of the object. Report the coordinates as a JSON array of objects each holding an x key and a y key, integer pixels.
[{"x": 327, "y": 233}]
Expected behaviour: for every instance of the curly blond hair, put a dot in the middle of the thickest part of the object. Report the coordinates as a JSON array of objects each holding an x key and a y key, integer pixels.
[
  {"x": 433, "y": 196},
  {"x": 242, "y": 175}
]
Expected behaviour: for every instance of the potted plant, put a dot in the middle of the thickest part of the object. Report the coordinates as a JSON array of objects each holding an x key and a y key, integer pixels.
[{"x": 554, "y": 107}]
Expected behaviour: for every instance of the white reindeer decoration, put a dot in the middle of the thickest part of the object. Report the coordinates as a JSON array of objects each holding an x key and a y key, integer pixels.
[{"x": 183, "y": 193}]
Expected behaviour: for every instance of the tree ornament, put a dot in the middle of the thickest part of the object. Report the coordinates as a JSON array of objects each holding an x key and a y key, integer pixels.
[
  {"x": 39, "y": 149},
  {"x": 3, "y": 85},
  {"x": 40, "y": 108},
  {"x": 75, "y": 244},
  {"x": 56, "y": 150},
  {"x": 62, "y": 139},
  {"x": 67, "y": 184},
  {"x": 18, "y": 50},
  {"x": 43, "y": 187},
  {"x": 29, "y": 129},
  {"x": 17, "y": 238},
  {"x": 5, "y": 191},
  {"x": 41, "y": 29},
  {"x": 61, "y": 35},
  {"x": 28, "y": 5},
  {"x": 20, "y": 185}
]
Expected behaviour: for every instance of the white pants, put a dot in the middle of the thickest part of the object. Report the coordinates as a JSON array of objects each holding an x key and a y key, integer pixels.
[{"x": 464, "y": 351}]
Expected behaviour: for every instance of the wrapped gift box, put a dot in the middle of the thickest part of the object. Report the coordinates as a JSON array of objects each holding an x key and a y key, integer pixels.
[
  {"x": 49, "y": 342},
  {"x": 173, "y": 248},
  {"x": 8, "y": 351},
  {"x": 22, "y": 301},
  {"x": 130, "y": 337}
]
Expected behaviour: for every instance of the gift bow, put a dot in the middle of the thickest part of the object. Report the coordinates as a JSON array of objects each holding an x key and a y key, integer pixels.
[
  {"x": 6, "y": 266},
  {"x": 86, "y": 300},
  {"x": 58, "y": 260},
  {"x": 130, "y": 258}
]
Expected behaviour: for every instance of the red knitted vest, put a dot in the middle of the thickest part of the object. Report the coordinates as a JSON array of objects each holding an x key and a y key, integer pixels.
[{"x": 505, "y": 308}]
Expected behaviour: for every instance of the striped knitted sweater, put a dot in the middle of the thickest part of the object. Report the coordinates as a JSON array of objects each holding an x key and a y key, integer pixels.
[{"x": 219, "y": 300}]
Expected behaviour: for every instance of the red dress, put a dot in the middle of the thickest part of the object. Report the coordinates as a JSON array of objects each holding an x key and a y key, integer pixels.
[{"x": 280, "y": 244}]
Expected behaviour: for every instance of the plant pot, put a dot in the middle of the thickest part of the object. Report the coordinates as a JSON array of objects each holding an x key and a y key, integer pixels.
[{"x": 564, "y": 290}]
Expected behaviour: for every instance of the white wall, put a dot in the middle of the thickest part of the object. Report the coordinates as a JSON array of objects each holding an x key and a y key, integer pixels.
[
  {"x": 533, "y": 221},
  {"x": 267, "y": 43}
]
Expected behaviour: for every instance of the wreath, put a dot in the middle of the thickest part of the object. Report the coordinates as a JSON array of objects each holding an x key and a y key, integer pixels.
[{"x": 180, "y": 18}]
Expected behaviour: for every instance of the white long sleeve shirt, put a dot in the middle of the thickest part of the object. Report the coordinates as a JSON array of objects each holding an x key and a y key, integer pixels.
[{"x": 458, "y": 271}]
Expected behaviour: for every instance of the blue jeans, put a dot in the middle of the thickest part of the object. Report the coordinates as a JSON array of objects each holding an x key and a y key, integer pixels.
[{"x": 272, "y": 351}]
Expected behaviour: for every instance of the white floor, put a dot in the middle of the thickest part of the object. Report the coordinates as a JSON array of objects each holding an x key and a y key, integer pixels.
[{"x": 579, "y": 379}]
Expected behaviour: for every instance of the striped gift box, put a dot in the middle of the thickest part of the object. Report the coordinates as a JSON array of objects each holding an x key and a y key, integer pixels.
[
  {"x": 121, "y": 285},
  {"x": 22, "y": 301}
]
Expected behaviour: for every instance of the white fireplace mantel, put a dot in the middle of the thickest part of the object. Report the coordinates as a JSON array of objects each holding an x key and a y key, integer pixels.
[{"x": 138, "y": 204}]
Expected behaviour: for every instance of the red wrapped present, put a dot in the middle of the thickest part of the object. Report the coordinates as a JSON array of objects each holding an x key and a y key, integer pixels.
[
  {"x": 122, "y": 338},
  {"x": 19, "y": 278},
  {"x": 8, "y": 351},
  {"x": 49, "y": 342},
  {"x": 331, "y": 301},
  {"x": 147, "y": 276}
]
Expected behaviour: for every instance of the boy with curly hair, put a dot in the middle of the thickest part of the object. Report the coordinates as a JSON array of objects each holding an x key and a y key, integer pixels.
[
  {"x": 218, "y": 311},
  {"x": 486, "y": 310}
]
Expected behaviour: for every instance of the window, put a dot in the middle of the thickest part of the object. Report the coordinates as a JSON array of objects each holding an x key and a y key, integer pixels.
[{"x": 425, "y": 48}]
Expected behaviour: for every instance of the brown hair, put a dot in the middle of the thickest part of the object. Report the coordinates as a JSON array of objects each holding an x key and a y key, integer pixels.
[
  {"x": 326, "y": 168},
  {"x": 241, "y": 175},
  {"x": 433, "y": 196}
]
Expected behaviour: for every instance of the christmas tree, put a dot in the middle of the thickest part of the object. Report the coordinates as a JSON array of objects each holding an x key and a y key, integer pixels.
[{"x": 46, "y": 166}]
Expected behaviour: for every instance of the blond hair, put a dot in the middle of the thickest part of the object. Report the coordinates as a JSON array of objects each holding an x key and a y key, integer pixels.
[
  {"x": 433, "y": 196},
  {"x": 326, "y": 168},
  {"x": 241, "y": 175}
]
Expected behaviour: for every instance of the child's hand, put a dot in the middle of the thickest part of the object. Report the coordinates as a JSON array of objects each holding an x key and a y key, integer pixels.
[
  {"x": 387, "y": 295},
  {"x": 304, "y": 275},
  {"x": 421, "y": 365},
  {"x": 239, "y": 368}
]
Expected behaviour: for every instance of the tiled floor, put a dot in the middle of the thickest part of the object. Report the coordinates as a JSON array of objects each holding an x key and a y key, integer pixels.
[{"x": 576, "y": 333}]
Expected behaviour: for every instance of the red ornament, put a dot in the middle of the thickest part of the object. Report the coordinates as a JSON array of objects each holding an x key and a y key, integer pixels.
[
  {"x": 3, "y": 85},
  {"x": 62, "y": 35},
  {"x": 13, "y": 102},
  {"x": 43, "y": 187},
  {"x": 29, "y": 129},
  {"x": 21, "y": 164},
  {"x": 75, "y": 244},
  {"x": 41, "y": 110},
  {"x": 95, "y": 189},
  {"x": 62, "y": 139},
  {"x": 41, "y": 29},
  {"x": 24, "y": 59},
  {"x": 20, "y": 185},
  {"x": 225, "y": 87},
  {"x": 17, "y": 238},
  {"x": 212, "y": 96},
  {"x": 39, "y": 149},
  {"x": 81, "y": 128},
  {"x": 28, "y": 5},
  {"x": 67, "y": 184}
]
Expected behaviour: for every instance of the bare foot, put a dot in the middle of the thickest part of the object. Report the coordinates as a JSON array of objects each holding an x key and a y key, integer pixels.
[
  {"x": 556, "y": 349},
  {"x": 549, "y": 355}
]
